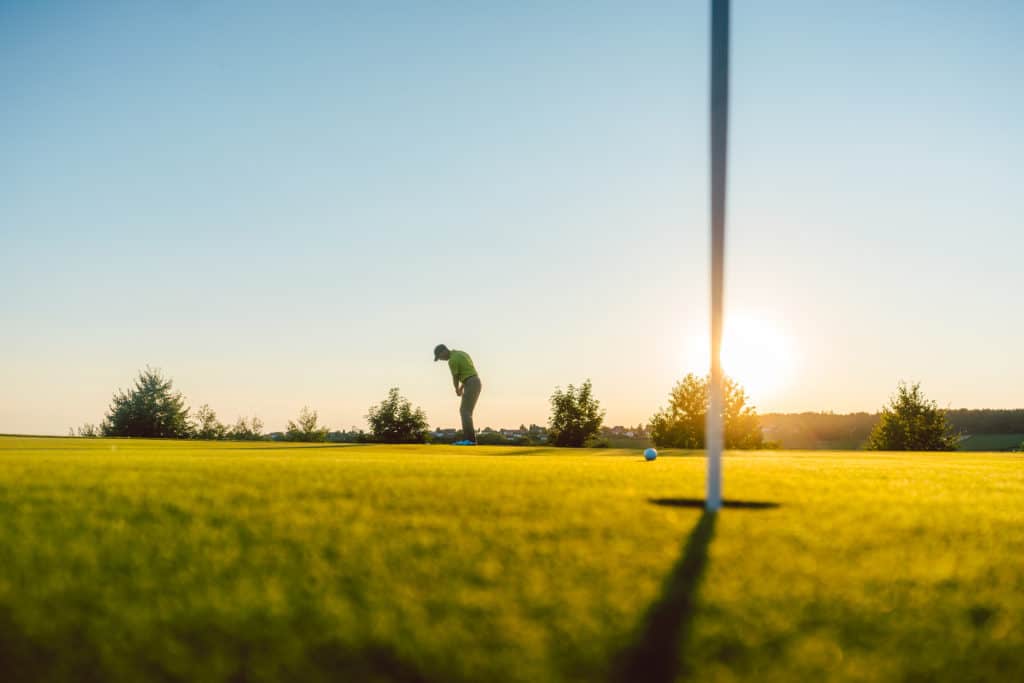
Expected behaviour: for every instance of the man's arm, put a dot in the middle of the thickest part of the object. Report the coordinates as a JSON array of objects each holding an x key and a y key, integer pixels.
[{"x": 455, "y": 376}]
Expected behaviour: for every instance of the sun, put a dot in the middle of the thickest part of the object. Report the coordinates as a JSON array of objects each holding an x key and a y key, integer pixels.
[{"x": 755, "y": 353}]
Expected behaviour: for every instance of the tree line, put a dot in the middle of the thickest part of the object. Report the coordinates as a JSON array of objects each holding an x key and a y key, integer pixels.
[
  {"x": 852, "y": 431},
  {"x": 908, "y": 422},
  {"x": 152, "y": 408}
]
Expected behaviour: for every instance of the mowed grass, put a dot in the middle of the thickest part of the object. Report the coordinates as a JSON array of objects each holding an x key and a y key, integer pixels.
[{"x": 143, "y": 560}]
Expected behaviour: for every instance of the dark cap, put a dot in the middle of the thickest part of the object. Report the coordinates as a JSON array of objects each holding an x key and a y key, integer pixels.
[{"x": 438, "y": 350}]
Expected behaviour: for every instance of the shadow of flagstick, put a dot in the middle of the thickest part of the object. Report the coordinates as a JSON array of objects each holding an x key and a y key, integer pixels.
[{"x": 655, "y": 653}]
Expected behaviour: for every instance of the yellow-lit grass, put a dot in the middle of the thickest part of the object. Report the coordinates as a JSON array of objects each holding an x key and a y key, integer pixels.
[{"x": 145, "y": 560}]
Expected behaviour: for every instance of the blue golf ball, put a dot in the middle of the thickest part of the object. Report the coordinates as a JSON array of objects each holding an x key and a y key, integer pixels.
[{"x": 650, "y": 454}]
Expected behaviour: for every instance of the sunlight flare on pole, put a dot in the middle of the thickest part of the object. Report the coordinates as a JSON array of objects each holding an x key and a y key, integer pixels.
[{"x": 719, "y": 142}]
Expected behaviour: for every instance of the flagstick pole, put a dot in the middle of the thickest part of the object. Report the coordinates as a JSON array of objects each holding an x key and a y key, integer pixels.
[{"x": 719, "y": 142}]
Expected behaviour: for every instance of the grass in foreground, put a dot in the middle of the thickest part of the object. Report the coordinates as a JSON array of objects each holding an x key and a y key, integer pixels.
[{"x": 136, "y": 560}]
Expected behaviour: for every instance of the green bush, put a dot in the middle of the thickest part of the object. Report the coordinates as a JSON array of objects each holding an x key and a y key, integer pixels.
[
  {"x": 912, "y": 423},
  {"x": 576, "y": 416},
  {"x": 246, "y": 430},
  {"x": 149, "y": 409},
  {"x": 306, "y": 429},
  {"x": 88, "y": 430},
  {"x": 205, "y": 424},
  {"x": 682, "y": 423},
  {"x": 395, "y": 421}
]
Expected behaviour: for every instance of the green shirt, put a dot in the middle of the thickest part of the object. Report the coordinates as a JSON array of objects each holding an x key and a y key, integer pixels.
[{"x": 461, "y": 365}]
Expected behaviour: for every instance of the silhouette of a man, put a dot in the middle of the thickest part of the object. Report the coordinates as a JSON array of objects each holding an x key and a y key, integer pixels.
[{"x": 467, "y": 385}]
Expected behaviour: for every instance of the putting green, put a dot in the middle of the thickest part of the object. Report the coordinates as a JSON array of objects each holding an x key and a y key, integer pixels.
[{"x": 145, "y": 560}]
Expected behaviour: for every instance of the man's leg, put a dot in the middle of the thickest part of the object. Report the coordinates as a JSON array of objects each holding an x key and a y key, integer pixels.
[{"x": 470, "y": 393}]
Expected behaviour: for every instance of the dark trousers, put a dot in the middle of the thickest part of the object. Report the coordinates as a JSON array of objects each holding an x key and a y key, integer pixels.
[{"x": 470, "y": 393}]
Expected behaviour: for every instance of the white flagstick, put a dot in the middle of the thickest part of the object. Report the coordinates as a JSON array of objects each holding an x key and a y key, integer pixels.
[{"x": 719, "y": 139}]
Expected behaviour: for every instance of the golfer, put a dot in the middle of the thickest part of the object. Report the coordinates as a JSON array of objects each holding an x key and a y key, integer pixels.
[{"x": 467, "y": 385}]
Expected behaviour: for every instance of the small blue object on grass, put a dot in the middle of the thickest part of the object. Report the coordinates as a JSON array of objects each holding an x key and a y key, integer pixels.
[
  {"x": 464, "y": 443},
  {"x": 650, "y": 454}
]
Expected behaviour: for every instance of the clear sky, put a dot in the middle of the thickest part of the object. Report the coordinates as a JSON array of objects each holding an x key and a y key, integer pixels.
[{"x": 283, "y": 204}]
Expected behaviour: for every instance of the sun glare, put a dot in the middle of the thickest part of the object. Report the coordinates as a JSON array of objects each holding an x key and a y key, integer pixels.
[{"x": 755, "y": 353}]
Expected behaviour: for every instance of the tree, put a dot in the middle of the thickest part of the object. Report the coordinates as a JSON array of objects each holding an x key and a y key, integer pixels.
[
  {"x": 576, "y": 416},
  {"x": 205, "y": 424},
  {"x": 395, "y": 421},
  {"x": 682, "y": 423},
  {"x": 151, "y": 409},
  {"x": 246, "y": 430},
  {"x": 912, "y": 423},
  {"x": 739, "y": 419},
  {"x": 307, "y": 428},
  {"x": 88, "y": 430}
]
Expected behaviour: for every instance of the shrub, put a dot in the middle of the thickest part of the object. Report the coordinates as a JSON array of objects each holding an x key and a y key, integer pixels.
[
  {"x": 395, "y": 421},
  {"x": 912, "y": 423},
  {"x": 246, "y": 430},
  {"x": 306, "y": 429},
  {"x": 576, "y": 416},
  {"x": 88, "y": 430},
  {"x": 683, "y": 422},
  {"x": 205, "y": 424},
  {"x": 150, "y": 409}
]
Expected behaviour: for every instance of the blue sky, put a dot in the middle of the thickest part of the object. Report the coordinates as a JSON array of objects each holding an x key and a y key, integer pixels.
[{"x": 284, "y": 204}]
